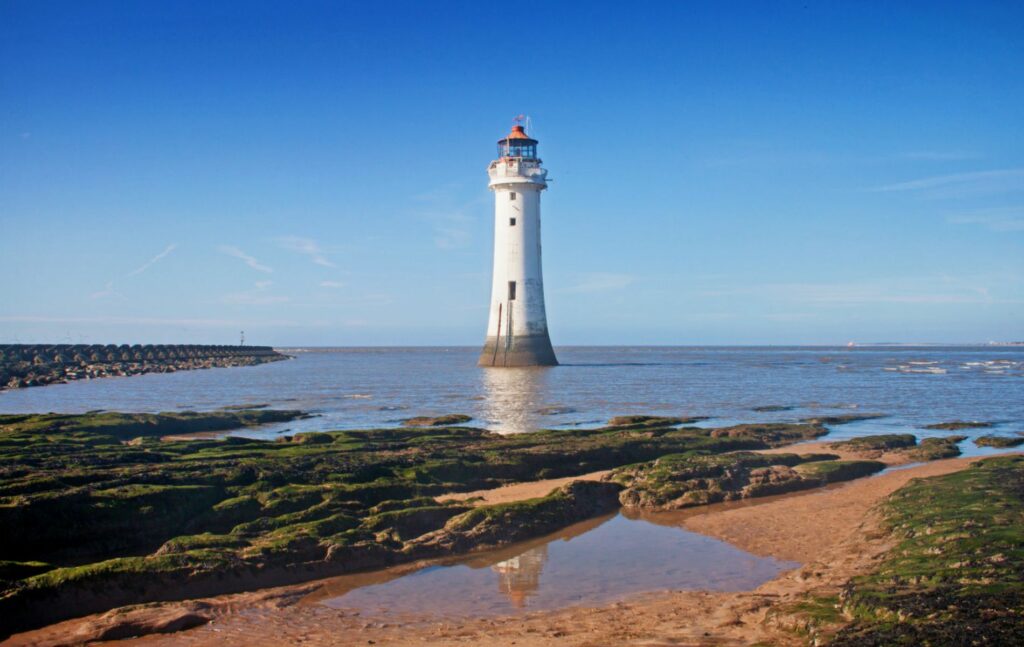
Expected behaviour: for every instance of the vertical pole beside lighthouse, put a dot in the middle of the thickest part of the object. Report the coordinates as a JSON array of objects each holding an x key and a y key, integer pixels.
[{"x": 517, "y": 330}]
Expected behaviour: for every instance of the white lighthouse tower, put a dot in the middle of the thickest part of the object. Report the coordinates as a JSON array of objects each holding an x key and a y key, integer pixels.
[{"x": 517, "y": 332}]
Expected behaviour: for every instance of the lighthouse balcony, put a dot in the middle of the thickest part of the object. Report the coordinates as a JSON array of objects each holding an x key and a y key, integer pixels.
[{"x": 506, "y": 170}]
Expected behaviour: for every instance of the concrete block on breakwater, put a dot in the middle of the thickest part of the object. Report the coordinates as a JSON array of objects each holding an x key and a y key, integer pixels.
[{"x": 23, "y": 365}]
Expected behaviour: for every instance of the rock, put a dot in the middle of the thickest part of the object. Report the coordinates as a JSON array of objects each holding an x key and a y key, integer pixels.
[
  {"x": 142, "y": 620},
  {"x": 439, "y": 421},
  {"x": 686, "y": 480},
  {"x": 843, "y": 418},
  {"x": 998, "y": 441},
  {"x": 957, "y": 425},
  {"x": 554, "y": 411},
  {"x": 495, "y": 525}
]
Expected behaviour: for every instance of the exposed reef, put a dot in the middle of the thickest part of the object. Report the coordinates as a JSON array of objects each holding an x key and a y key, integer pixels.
[
  {"x": 843, "y": 418},
  {"x": 693, "y": 479},
  {"x": 141, "y": 519},
  {"x": 957, "y": 575},
  {"x": 929, "y": 449},
  {"x": 439, "y": 421},
  {"x": 999, "y": 441},
  {"x": 24, "y": 365},
  {"x": 957, "y": 425}
]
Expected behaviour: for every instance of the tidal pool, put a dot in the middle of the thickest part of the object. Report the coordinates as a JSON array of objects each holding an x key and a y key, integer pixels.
[{"x": 589, "y": 563}]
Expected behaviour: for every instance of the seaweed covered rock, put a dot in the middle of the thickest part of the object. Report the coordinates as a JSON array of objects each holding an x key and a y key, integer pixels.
[
  {"x": 957, "y": 425},
  {"x": 1001, "y": 442},
  {"x": 499, "y": 524},
  {"x": 876, "y": 444},
  {"x": 843, "y": 418},
  {"x": 955, "y": 576},
  {"x": 932, "y": 449},
  {"x": 929, "y": 449},
  {"x": 772, "y": 434},
  {"x": 144, "y": 519},
  {"x": 686, "y": 480},
  {"x": 437, "y": 421},
  {"x": 640, "y": 422}
]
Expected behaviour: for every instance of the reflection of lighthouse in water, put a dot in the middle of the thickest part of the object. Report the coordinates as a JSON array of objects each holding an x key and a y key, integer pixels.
[
  {"x": 514, "y": 398},
  {"x": 519, "y": 577}
]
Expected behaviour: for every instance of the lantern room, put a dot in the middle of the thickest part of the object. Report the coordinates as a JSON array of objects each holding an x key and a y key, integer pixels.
[{"x": 518, "y": 144}]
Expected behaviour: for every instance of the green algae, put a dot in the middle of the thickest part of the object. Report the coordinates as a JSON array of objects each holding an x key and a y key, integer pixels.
[
  {"x": 1001, "y": 442},
  {"x": 957, "y": 425},
  {"x": 929, "y": 449},
  {"x": 955, "y": 576},
  {"x": 494, "y": 525},
  {"x": 108, "y": 514},
  {"x": 692, "y": 479},
  {"x": 878, "y": 442},
  {"x": 843, "y": 418},
  {"x": 438, "y": 421},
  {"x": 837, "y": 471}
]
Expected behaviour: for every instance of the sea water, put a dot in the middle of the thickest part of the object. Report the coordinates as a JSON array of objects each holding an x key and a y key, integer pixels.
[{"x": 350, "y": 388}]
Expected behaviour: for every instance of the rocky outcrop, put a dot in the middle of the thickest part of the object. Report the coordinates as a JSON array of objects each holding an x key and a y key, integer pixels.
[
  {"x": 500, "y": 524},
  {"x": 999, "y": 441},
  {"x": 957, "y": 425},
  {"x": 929, "y": 449},
  {"x": 23, "y": 365},
  {"x": 437, "y": 421},
  {"x": 687, "y": 480}
]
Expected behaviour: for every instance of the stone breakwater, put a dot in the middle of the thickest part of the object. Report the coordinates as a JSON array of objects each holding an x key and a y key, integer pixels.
[{"x": 23, "y": 365}]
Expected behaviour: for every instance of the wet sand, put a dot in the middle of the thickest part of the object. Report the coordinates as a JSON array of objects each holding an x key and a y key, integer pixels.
[
  {"x": 832, "y": 532},
  {"x": 521, "y": 491}
]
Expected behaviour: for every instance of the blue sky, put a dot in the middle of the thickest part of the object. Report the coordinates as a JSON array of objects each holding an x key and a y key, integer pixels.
[{"x": 314, "y": 173}]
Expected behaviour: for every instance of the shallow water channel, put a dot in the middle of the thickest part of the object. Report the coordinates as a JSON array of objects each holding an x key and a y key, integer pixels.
[{"x": 589, "y": 563}]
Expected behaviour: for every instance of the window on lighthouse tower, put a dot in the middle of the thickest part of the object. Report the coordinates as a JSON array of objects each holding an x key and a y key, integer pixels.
[{"x": 512, "y": 195}]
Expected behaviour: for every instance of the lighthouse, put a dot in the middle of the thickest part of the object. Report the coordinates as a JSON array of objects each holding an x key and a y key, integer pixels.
[{"x": 517, "y": 330}]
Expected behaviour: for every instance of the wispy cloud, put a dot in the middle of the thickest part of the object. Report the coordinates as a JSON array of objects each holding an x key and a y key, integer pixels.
[
  {"x": 600, "y": 282},
  {"x": 307, "y": 247},
  {"x": 962, "y": 184},
  {"x": 233, "y": 251},
  {"x": 996, "y": 219},
  {"x": 334, "y": 285},
  {"x": 153, "y": 261},
  {"x": 109, "y": 291}
]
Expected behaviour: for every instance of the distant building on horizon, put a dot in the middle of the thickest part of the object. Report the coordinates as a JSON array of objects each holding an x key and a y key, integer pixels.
[{"x": 517, "y": 330}]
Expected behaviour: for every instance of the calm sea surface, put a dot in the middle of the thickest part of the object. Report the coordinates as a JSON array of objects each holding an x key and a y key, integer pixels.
[{"x": 370, "y": 387}]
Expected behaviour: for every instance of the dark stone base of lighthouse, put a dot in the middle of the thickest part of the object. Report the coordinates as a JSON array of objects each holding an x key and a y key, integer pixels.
[{"x": 520, "y": 350}]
